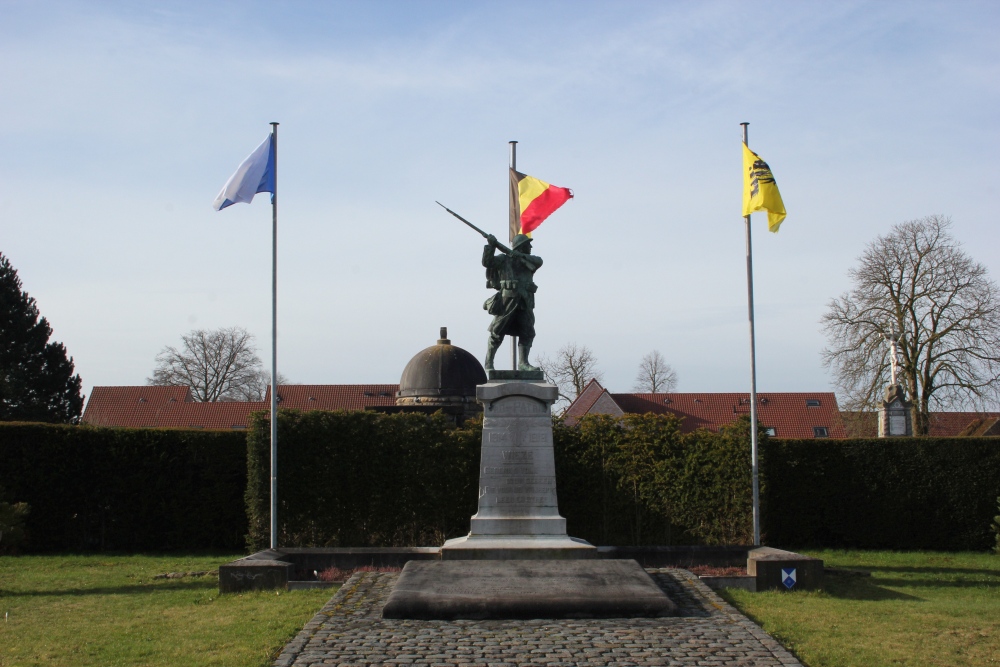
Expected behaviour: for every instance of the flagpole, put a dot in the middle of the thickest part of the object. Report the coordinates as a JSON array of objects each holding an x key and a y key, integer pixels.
[
  {"x": 274, "y": 342},
  {"x": 513, "y": 339},
  {"x": 753, "y": 378}
]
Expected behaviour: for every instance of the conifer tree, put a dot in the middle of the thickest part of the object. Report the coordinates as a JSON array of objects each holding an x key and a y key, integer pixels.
[{"x": 36, "y": 377}]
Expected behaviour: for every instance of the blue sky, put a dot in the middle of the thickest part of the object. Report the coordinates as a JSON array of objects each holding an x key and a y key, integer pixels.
[{"x": 120, "y": 122}]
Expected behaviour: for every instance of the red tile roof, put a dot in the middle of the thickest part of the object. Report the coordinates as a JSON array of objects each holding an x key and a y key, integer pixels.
[
  {"x": 334, "y": 396},
  {"x": 173, "y": 407},
  {"x": 791, "y": 414}
]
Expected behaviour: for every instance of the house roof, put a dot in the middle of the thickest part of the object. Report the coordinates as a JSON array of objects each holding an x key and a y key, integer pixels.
[
  {"x": 174, "y": 407},
  {"x": 790, "y": 414}
]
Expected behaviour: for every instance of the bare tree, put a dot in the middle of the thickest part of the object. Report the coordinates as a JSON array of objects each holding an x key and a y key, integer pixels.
[
  {"x": 916, "y": 281},
  {"x": 218, "y": 365},
  {"x": 257, "y": 389},
  {"x": 655, "y": 375},
  {"x": 571, "y": 369}
]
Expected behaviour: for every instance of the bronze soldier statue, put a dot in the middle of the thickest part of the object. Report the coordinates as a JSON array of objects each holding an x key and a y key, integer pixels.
[{"x": 513, "y": 306}]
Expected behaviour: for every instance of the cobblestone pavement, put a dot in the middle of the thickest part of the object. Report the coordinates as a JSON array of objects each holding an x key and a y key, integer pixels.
[{"x": 349, "y": 631}]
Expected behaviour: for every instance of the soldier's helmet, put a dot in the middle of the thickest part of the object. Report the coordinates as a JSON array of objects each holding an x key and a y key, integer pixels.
[{"x": 520, "y": 240}]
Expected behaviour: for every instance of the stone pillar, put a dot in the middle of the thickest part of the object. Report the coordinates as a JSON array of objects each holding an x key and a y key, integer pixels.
[
  {"x": 518, "y": 513},
  {"x": 895, "y": 415}
]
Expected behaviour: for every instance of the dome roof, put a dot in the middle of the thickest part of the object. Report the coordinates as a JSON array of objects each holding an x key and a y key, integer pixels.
[{"x": 442, "y": 370}]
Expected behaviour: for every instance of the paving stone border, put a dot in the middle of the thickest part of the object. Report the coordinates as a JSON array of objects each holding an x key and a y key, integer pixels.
[{"x": 349, "y": 631}]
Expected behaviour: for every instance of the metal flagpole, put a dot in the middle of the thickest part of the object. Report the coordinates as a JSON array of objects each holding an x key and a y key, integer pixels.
[
  {"x": 274, "y": 342},
  {"x": 513, "y": 165},
  {"x": 753, "y": 379}
]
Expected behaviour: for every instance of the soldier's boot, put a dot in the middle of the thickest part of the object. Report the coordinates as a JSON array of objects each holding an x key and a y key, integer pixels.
[
  {"x": 522, "y": 354},
  {"x": 491, "y": 351}
]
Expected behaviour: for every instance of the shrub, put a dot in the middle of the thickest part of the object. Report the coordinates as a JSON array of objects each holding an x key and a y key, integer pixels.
[
  {"x": 996, "y": 529},
  {"x": 12, "y": 516},
  {"x": 126, "y": 489},
  {"x": 882, "y": 493}
]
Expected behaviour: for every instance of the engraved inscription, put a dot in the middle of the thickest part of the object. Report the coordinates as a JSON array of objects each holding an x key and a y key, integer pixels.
[
  {"x": 539, "y": 437},
  {"x": 897, "y": 424},
  {"x": 499, "y": 436},
  {"x": 524, "y": 456},
  {"x": 507, "y": 470},
  {"x": 517, "y": 406},
  {"x": 520, "y": 500}
]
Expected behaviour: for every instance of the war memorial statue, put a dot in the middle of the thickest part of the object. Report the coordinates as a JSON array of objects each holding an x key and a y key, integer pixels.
[{"x": 511, "y": 274}]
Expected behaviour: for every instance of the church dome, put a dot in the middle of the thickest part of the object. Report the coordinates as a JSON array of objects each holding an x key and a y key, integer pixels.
[{"x": 441, "y": 371}]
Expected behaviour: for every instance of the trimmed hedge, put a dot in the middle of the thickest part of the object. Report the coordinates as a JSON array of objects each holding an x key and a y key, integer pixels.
[
  {"x": 357, "y": 479},
  {"x": 882, "y": 493},
  {"x": 637, "y": 480},
  {"x": 370, "y": 479},
  {"x": 125, "y": 489}
]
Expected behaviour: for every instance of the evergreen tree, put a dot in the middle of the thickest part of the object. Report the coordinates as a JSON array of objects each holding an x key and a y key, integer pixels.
[{"x": 36, "y": 377}]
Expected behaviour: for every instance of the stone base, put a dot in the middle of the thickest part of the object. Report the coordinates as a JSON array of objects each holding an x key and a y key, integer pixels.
[
  {"x": 522, "y": 376},
  {"x": 769, "y": 567},
  {"x": 517, "y": 547},
  {"x": 261, "y": 571},
  {"x": 524, "y": 589},
  {"x": 535, "y": 526}
]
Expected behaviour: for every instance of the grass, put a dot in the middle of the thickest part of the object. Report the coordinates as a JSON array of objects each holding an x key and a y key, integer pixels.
[
  {"x": 109, "y": 610},
  {"x": 917, "y": 609}
]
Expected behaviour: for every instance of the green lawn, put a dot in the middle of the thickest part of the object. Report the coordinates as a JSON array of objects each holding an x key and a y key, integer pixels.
[
  {"x": 107, "y": 610},
  {"x": 917, "y": 609}
]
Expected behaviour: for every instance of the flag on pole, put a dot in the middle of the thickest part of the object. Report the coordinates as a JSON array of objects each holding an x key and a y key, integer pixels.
[
  {"x": 531, "y": 201},
  {"x": 255, "y": 174},
  {"x": 760, "y": 192}
]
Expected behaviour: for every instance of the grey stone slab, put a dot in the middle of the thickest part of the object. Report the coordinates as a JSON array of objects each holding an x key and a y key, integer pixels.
[{"x": 526, "y": 589}]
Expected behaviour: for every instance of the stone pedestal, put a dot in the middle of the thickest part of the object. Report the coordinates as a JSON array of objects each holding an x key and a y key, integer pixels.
[
  {"x": 526, "y": 589},
  {"x": 894, "y": 415},
  {"x": 518, "y": 515}
]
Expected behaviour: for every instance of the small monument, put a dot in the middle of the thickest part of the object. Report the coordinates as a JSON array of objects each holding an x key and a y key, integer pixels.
[
  {"x": 518, "y": 515},
  {"x": 894, "y": 414},
  {"x": 525, "y": 564}
]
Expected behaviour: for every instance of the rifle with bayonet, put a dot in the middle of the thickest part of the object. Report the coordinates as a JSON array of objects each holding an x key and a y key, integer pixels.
[{"x": 499, "y": 246}]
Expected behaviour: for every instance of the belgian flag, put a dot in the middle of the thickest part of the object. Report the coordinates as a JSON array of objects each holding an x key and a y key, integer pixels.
[{"x": 531, "y": 201}]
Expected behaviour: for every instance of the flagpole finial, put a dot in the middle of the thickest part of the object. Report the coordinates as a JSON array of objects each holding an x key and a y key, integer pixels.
[
  {"x": 274, "y": 122},
  {"x": 744, "y": 123}
]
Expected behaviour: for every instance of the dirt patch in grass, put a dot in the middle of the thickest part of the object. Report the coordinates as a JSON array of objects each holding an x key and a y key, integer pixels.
[
  {"x": 716, "y": 571},
  {"x": 337, "y": 575}
]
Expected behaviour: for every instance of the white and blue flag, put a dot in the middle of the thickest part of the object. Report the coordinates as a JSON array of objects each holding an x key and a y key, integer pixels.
[{"x": 256, "y": 174}]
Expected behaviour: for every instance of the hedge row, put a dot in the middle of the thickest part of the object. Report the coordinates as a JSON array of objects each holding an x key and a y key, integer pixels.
[
  {"x": 356, "y": 479},
  {"x": 368, "y": 479},
  {"x": 893, "y": 493},
  {"x": 125, "y": 489}
]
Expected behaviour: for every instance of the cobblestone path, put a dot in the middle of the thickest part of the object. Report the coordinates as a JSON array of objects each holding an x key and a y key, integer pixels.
[{"x": 349, "y": 631}]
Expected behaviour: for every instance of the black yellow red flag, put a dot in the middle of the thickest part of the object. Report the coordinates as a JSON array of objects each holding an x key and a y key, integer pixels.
[{"x": 531, "y": 201}]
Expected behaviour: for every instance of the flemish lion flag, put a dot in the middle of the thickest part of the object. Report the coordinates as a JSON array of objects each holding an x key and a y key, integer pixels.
[
  {"x": 531, "y": 201},
  {"x": 760, "y": 192}
]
